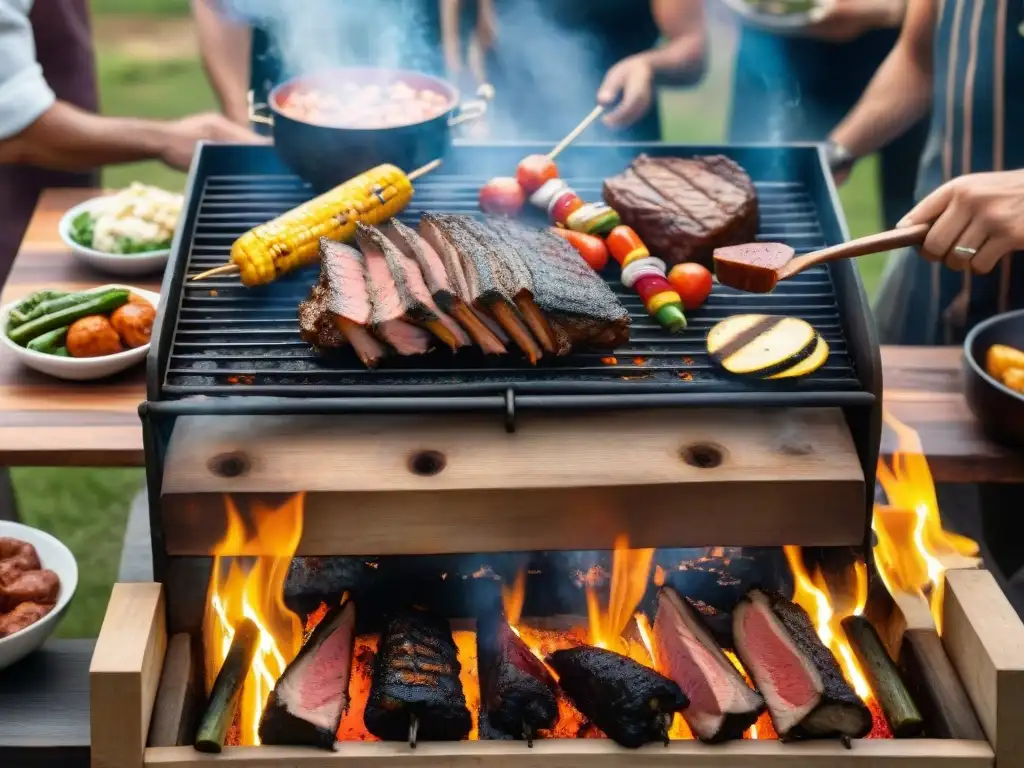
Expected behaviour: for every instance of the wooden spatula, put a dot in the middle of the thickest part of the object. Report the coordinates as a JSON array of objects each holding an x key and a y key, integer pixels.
[{"x": 757, "y": 267}]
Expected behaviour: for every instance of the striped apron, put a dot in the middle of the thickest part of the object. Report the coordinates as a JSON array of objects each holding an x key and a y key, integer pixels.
[{"x": 977, "y": 125}]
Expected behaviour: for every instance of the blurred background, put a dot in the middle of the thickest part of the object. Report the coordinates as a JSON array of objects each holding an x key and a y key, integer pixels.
[{"x": 149, "y": 66}]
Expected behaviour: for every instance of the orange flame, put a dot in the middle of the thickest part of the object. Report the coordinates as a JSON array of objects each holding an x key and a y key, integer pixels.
[
  {"x": 811, "y": 594},
  {"x": 631, "y": 572},
  {"x": 913, "y": 551},
  {"x": 256, "y": 593},
  {"x": 513, "y": 596}
]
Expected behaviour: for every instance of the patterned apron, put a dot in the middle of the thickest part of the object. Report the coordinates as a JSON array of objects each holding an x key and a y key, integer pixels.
[{"x": 64, "y": 49}]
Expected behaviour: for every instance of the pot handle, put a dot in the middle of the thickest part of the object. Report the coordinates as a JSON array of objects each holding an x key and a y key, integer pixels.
[
  {"x": 474, "y": 109},
  {"x": 256, "y": 112}
]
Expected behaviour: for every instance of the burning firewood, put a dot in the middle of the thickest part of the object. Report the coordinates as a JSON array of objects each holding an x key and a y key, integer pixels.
[
  {"x": 900, "y": 711},
  {"x": 227, "y": 689},
  {"x": 631, "y": 703}
]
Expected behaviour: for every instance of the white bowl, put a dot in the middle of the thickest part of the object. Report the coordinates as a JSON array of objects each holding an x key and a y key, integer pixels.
[
  {"x": 123, "y": 264},
  {"x": 78, "y": 368},
  {"x": 787, "y": 23},
  {"x": 58, "y": 558}
]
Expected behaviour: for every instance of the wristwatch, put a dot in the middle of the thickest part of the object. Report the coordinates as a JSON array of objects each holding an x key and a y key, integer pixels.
[{"x": 839, "y": 158}]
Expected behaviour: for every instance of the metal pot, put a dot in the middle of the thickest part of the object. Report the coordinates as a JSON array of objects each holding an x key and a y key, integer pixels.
[
  {"x": 999, "y": 409},
  {"x": 326, "y": 156}
]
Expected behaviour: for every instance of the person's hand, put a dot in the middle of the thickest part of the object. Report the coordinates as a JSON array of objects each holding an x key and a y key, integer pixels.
[
  {"x": 975, "y": 220},
  {"x": 631, "y": 84},
  {"x": 181, "y": 136},
  {"x": 849, "y": 19}
]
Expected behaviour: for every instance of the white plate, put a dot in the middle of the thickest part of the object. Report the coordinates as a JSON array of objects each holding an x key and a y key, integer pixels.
[
  {"x": 78, "y": 368},
  {"x": 123, "y": 264},
  {"x": 58, "y": 558},
  {"x": 782, "y": 23}
]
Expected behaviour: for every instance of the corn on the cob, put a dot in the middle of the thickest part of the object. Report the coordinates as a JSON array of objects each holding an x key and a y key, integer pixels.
[{"x": 292, "y": 240}]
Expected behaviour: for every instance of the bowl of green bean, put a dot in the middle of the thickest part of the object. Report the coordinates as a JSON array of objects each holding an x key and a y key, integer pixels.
[{"x": 81, "y": 335}]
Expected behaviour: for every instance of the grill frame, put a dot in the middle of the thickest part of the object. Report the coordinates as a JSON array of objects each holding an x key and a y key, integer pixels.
[{"x": 508, "y": 386}]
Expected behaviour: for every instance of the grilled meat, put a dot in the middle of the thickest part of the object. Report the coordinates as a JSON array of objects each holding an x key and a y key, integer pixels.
[
  {"x": 416, "y": 675},
  {"x": 800, "y": 679},
  {"x": 338, "y": 307},
  {"x": 412, "y": 291},
  {"x": 517, "y": 692},
  {"x": 440, "y": 285},
  {"x": 722, "y": 705},
  {"x": 576, "y": 302},
  {"x": 393, "y": 313},
  {"x": 308, "y": 701},
  {"x": 631, "y": 703},
  {"x": 486, "y": 278},
  {"x": 684, "y": 208}
]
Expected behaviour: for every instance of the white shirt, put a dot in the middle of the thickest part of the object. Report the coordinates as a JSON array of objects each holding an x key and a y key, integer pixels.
[{"x": 24, "y": 94}]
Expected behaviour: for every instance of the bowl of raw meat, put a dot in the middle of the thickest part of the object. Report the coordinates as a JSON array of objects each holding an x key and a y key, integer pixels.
[
  {"x": 38, "y": 577},
  {"x": 332, "y": 125}
]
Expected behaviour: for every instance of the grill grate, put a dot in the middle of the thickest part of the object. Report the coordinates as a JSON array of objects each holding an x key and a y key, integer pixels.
[{"x": 227, "y": 339}]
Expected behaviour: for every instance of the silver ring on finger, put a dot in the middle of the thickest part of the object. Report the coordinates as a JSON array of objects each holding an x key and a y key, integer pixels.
[
  {"x": 965, "y": 251},
  {"x": 959, "y": 257}
]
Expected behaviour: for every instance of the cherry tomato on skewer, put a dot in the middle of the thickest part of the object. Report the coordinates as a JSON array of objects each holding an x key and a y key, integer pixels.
[
  {"x": 590, "y": 247},
  {"x": 534, "y": 171},
  {"x": 502, "y": 195},
  {"x": 692, "y": 282}
]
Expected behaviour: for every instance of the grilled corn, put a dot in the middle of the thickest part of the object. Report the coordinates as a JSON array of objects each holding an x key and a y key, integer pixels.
[{"x": 292, "y": 240}]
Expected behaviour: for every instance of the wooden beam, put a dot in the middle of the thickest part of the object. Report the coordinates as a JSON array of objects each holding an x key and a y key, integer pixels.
[
  {"x": 125, "y": 673},
  {"x": 595, "y": 753},
  {"x": 429, "y": 485},
  {"x": 174, "y": 700},
  {"x": 985, "y": 641}
]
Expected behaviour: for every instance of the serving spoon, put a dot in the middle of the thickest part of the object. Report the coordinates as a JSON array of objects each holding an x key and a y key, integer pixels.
[{"x": 758, "y": 267}]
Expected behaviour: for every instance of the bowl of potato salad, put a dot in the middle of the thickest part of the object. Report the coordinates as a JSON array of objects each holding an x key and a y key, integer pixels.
[{"x": 127, "y": 232}]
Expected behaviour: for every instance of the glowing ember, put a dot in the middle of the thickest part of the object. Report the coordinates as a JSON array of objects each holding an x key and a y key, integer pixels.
[
  {"x": 913, "y": 551},
  {"x": 256, "y": 593}
]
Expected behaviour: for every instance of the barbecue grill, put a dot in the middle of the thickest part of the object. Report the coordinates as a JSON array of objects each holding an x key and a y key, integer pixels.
[{"x": 256, "y": 446}]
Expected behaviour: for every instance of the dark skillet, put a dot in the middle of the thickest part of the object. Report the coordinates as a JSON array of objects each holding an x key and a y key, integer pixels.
[
  {"x": 327, "y": 155},
  {"x": 998, "y": 408}
]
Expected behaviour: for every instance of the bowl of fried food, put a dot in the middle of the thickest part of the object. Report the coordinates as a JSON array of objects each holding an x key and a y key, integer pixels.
[
  {"x": 38, "y": 577},
  {"x": 993, "y": 368},
  {"x": 82, "y": 335}
]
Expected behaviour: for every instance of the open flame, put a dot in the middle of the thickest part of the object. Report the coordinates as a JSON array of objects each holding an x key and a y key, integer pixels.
[
  {"x": 631, "y": 573},
  {"x": 253, "y": 588},
  {"x": 912, "y": 551}
]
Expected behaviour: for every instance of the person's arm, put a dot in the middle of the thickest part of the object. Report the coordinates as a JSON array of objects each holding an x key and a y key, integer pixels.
[
  {"x": 225, "y": 46},
  {"x": 682, "y": 59},
  {"x": 900, "y": 93}
]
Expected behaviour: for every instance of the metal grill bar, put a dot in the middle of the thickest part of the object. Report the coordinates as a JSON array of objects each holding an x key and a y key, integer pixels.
[{"x": 230, "y": 340}]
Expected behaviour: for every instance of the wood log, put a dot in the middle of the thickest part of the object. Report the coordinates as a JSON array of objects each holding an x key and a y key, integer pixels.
[
  {"x": 172, "y": 712},
  {"x": 936, "y": 688},
  {"x": 887, "y": 684},
  {"x": 227, "y": 689}
]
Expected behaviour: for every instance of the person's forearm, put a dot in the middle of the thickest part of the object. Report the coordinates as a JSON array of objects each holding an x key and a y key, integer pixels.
[
  {"x": 682, "y": 61},
  {"x": 69, "y": 139},
  {"x": 225, "y": 48}
]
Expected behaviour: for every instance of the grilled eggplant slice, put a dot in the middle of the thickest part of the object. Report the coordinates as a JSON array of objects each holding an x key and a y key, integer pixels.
[
  {"x": 760, "y": 345},
  {"x": 631, "y": 703},
  {"x": 811, "y": 363}
]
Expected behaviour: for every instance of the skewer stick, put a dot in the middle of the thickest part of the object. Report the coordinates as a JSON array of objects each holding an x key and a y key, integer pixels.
[
  {"x": 575, "y": 132},
  {"x": 232, "y": 269},
  {"x": 414, "y": 726}
]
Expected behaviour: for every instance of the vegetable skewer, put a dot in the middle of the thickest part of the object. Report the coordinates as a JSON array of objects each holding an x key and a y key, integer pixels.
[{"x": 292, "y": 240}]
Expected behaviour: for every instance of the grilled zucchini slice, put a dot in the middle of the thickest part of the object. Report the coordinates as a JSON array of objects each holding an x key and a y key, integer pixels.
[
  {"x": 809, "y": 364},
  {"x": 760, "y": 345}
]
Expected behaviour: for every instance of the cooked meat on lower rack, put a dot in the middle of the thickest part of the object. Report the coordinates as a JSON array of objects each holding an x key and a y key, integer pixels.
[
  {"x": 441, "y": 287},
  {"x": 338, "y": 309},
  {"x": 465, "y": 281},
  {"x": 388, "y": 266},
  {"x": 631, "y": 703},
  {"x": 517, "y": 692},
  {"x": 415, "y": 692},
  {"x": 307, "y": 703},
  {"x": 684, "y": 208},
  {"x": 722, "y": 705},
  {"x": 800, "y": 679}
]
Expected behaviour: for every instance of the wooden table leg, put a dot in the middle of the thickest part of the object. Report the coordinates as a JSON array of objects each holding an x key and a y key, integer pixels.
[{"x": 8, "y": 501}]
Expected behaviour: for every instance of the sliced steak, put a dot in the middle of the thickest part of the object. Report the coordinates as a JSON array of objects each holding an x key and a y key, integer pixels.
[
  {"x": 722, "y": 705},
  {"x": 800, "y": 679},
  {"x": 684, "y": 208}
]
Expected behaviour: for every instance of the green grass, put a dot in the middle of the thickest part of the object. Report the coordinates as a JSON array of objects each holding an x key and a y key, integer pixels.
[
  {"x": 140, "y": 7},
  {"x": 87, "y": 509}
]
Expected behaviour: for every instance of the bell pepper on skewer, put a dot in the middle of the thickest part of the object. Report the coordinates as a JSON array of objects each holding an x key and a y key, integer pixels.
[{"x": 646, "y": 275}]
